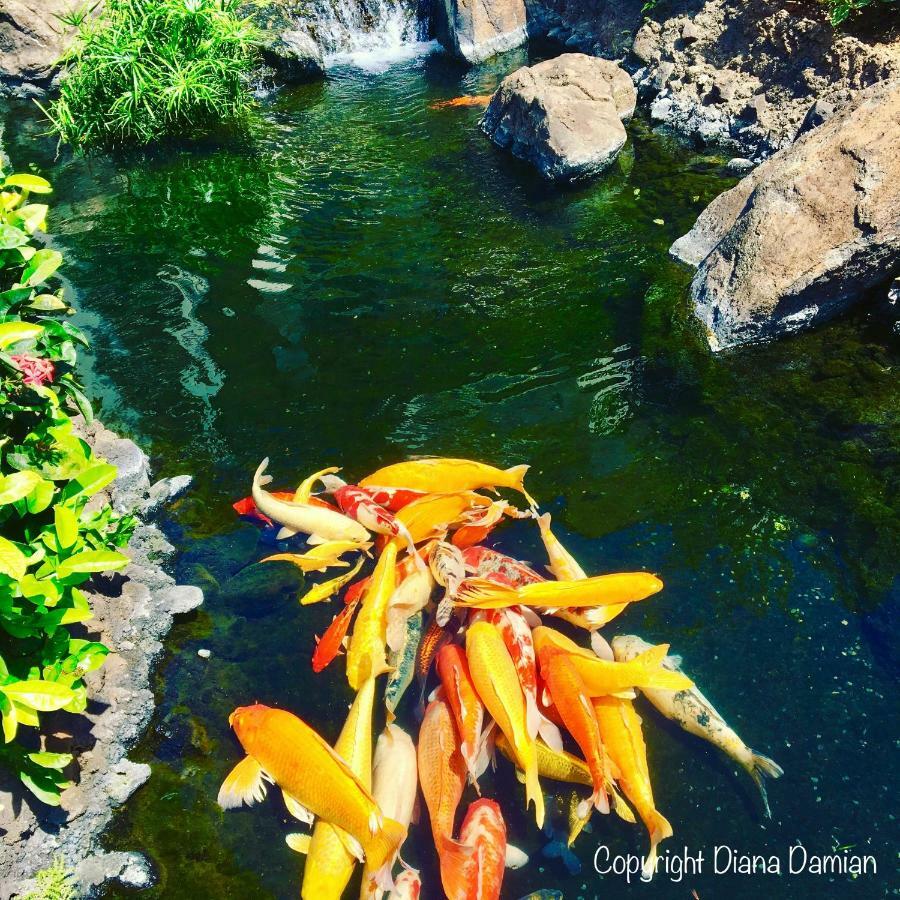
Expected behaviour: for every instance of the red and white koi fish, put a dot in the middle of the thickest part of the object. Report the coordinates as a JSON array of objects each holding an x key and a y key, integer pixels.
[
  {"x": 484, "y": 829},
  {"x": 449, "y": 570},
  {"x": 407, "y": 886},
  {"x": 487, "y": 563},
  {"x": 392, "y": 499},
  {"x": 356, "y": 503}
]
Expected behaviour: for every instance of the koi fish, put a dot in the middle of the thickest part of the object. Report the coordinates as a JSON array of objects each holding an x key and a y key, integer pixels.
[
  {"x": 449, "y": 570},
  {"x": 571, "y": 700},
  {"x": 320, "y": 523},
  {"x": 327, "y": 589},
  {"x": 321, "y": 557},
  {"x": 690, "y": 709},
  {"x": 407, "y": 886},
  {"x": 442, "y": 775},
  {"x": 329, "y": 864},
  {"x": 495, "y": 678},
  {"x": 620, "y": 727},
  {"x": 283, "y": 749},
  {"x": 393, "y": 499},
  {"x": 366, "y": 654},
  {"x": 465, "y": 100},
  {"x": 517, "y": 637},
  {"x": 432, "y": 515},
  {"x": 601, "y": 590},
  {"x": 497, "y": 567},
  {"x": 303, "y": 494},
  {"x": 403, "y": 662},
  {"x": 357, "y": 504},
  {"x": 411, "y": 595},
  {"x": 245, "y": 507},
  {"x": 329, "y": 645},
  {"x": 484, "y": 830},
  {"x": 603, "y": 677},
  {"x": 465, "y": 704},
  {"x": 565, "y": 568}
]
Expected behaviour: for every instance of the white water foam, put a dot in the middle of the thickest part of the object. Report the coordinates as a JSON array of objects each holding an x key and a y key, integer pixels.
[{"x": 371, "y": 35}]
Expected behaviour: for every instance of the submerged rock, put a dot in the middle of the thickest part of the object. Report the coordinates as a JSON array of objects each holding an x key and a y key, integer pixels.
[
  {"x": 807, "y": 233},
  {"x": 475, "y": 30},
  {"x": 294, "y": 56},
  {"x": 564, "y": 115}
]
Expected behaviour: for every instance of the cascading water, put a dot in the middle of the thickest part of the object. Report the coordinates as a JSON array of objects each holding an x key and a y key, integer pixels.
[{"x": 370, "y": 34}]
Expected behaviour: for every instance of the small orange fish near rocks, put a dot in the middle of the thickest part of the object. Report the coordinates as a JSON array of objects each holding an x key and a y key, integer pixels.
[{"x": 461, "y": 102}]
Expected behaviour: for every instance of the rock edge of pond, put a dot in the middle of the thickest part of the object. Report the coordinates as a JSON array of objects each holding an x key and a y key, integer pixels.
[{"x": 132, "y": 615}]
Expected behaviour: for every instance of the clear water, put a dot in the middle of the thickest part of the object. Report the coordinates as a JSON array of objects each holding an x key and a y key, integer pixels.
[{"x": 369, "y": 279}]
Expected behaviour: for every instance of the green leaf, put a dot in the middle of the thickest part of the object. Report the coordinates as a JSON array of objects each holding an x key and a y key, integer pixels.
[
  {"x": 41, "y": 497},
  {"x": 90, "y": 481},
  {"x": 82, "y": 402},
  {"x": 89, "y": 561},
  {"x": 43, "y": 787},
  {"x": 90, "y": 657},
  {"x": 42, "y": 265},
  {"x": 13, "y": 332},
  {"x": 80, "y": 611},
  {"x": 66, "y": 523},
  {"x": 17, "y": 486},
  {"x": 48, "y": 303},
  {"x": 47, "y": 760},
  {"x": 10, "y": 721},
  {"x": 11, "y": 237},
  {"x": 32, "y": 183},
  {"x": 12, "y": 559},
  {"x": 32, "y": 216},
  {"x": 43, "y": 696}
]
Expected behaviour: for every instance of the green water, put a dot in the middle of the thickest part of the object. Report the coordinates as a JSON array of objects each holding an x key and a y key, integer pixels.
[{"x": 370, "y": 279}]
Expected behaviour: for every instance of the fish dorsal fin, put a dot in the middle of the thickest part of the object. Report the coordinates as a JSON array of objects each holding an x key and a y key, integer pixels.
[
  {"x": 244, "y": 784},
  {"x": 314, "y": 736},
  {"x": 297, "y": 810},
  {"x": 299, "y": 843}
]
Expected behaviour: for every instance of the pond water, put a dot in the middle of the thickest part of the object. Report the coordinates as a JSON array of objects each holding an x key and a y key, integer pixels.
[{"x": 369, "y": 279}]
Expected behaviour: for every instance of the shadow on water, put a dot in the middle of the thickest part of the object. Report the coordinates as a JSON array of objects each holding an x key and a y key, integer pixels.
[{"x": 370, "y": 279}]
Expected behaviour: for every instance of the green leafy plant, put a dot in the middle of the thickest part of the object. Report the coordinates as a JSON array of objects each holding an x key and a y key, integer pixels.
[
  {"x": 50, "y": 543},
  {"x": 144, "y": 70},
  {"x": 53, "y": 883},
  {"x": 840, "y": 10}
]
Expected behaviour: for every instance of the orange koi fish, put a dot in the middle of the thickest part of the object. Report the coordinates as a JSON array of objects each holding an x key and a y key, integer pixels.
[
  {"x": 465, "y": 100},
  {"x": 497, "y": 682},
  {"x": 329, "y": 645},
  {"x": 467, "y": 708},
  {"x": 570, "y": 698},
  {"x": 484, "y": 830},
  {"x": 442, "y": 775},
  {"x": 620, "y": 727},
  {"x": 283, "y": 749},
  {"x": 432, "y": 515}
]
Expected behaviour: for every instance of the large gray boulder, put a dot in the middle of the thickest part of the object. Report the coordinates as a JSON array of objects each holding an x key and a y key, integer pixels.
[
  {"x": 806, "y": 233},
  {"x": 475, "y": 30},
  {"x": 294, "y": 56},
  {"x": 32, "y": 39},
  {"x": 564, "y": 115}
]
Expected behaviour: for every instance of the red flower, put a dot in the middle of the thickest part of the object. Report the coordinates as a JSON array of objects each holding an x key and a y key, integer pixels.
[{"x": 35, "y": 370}]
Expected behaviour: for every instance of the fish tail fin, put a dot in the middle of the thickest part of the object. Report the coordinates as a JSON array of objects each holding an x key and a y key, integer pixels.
[
  {"x": 259, "y": 477},
  {"x": 331, "y": 482},
  {"x": 544, "y": 522},
  {"x": 660, "y": 829},
  {"x": 516, "y": 475},
  {"x": 480, "y": 592},
  {"x": 657, "y": 675},
  {"x": 759, "y": 768},
  {"x": 382, "y": 850},
  {"x": 455, "y": 859},
  {"x": 620, "y": 807},
  {"x": 533, "y": 792}
]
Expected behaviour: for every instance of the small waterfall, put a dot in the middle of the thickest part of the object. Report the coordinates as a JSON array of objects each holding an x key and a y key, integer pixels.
[{"x": 369, "y": 34}]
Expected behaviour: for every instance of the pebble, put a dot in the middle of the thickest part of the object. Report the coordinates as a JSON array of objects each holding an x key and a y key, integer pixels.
[{"x": 204, "y": 653}]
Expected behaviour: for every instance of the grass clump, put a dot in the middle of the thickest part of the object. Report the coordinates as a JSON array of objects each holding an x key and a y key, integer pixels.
[
  {"x": 140, "y": 71},
  {"x": 53, "y": 883}
]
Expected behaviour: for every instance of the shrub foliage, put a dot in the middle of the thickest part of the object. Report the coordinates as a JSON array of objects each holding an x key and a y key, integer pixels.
[
  {"x": 143, "y": 70},
  {"x": 51, "y": 543}
]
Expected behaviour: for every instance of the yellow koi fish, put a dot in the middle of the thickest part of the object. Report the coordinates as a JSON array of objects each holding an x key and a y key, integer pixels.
[
  {"x": 601, "y": 677},
  {"x": 366, "y": 656},
  {"x": 321, "y": 523},
  {"x": 497, "y": 683},
  {"x": 324, "y": 556},
  {"x": 601, "y": 590},
  {"x": 304, "y": 491},
  {"x": 690, "y": 709},
  {"x": 439, "y": 475},
  {"x": 431, "y": 516},
  {"x": 319, "y": 592},
  {"x": 565, "y": 568},
  {"x": 283, "y": 749},
  {"x": 620, "y": 729},
  {"x": 329, "y": 864}
]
